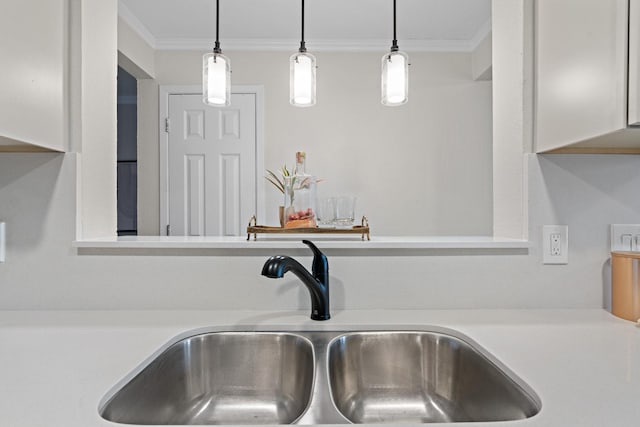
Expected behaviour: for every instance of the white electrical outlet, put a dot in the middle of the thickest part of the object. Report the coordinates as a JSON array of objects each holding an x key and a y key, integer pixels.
[
  {"x": 625, "y": 237},
  {"x": 2, "y": 239},
  {"x": 556, "y": 240},
  {"x": 555, "y": 244}
]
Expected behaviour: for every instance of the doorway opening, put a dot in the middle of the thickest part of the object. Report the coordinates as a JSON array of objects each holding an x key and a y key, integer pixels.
[
  {"x": 127, "y": 160},
  {"x": 210, "y": 161}
]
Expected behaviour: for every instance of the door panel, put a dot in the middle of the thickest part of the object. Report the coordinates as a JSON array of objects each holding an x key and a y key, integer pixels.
[{"x": 212, "y": 164}]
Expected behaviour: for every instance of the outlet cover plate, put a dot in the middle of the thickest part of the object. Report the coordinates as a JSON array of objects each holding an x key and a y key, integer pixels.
[
  {"x": 555, "y": 251},
  {"x": 625, "y": 237}
]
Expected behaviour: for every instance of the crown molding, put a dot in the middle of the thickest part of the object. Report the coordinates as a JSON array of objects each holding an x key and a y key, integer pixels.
[
  {"x": 272, "y": 45},
  {"x": 480, "y": 35}
]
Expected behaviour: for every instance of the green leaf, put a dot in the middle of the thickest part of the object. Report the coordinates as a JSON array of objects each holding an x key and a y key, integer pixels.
[{"x": 273, "y": 179}]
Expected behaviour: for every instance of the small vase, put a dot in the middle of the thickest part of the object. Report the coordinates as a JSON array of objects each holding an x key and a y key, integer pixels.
[{"x": 299, "y": 201}]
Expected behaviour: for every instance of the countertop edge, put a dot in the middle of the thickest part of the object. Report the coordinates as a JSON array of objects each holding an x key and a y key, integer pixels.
[{"x": 293, "y": 242}]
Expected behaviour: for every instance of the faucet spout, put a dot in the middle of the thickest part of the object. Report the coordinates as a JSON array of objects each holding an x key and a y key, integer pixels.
[{"x": 317, "y": 283}]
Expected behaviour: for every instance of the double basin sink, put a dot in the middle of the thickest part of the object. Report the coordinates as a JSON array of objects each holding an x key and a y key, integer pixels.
[{"x": 320, "y": 377}]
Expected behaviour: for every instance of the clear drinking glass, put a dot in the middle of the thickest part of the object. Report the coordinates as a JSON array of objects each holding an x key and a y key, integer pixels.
[
  {"x": 326, "y": 211},
  {"x": 345, "y": 211}
]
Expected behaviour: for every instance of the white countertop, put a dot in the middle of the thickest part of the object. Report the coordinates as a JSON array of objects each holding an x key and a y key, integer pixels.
[
  {"x": 292, "y": 241},
  {"x": 55, "y": 367}
]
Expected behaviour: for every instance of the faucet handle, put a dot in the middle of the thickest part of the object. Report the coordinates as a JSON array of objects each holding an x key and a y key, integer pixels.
[{"x": 320, "y": 266}]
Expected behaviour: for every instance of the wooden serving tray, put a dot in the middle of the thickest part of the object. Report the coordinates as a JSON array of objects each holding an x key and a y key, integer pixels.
[{"x": 255, "y": 229}]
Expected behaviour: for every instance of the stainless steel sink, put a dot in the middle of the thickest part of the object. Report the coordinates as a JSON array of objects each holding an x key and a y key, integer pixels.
[
  {"x": 420, "y": 377},
  {"x": 220, "y": 378},
  {"x": 320, "y": 377}
]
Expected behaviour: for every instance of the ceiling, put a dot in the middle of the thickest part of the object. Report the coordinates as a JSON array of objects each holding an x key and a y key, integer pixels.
[{"x": 439, "y": 25}]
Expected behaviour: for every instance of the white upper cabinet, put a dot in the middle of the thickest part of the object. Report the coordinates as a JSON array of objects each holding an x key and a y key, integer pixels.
[
  {"x": 581, "y": 67},
  {"x": 33, "y": 45},
  {"x": 634, "y": 63}
]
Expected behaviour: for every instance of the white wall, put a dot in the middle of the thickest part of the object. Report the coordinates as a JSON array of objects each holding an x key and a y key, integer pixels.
[
  {"x": 94, "y": 114},
  {"x": 134, "y": 54},
  {"x": 423, "y": 168},
  {"x": 43, "y": 271},
  {"x": 38, "y": 201},
  {"x": 512, "y": 71}
]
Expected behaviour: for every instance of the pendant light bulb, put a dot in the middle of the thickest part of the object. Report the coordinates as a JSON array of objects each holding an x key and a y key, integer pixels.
[
  {"x": 302, "y": 79},
  {"x": 216, "y": 74},
  {"x": 395, "y": 78},
  {"x": 216, "y": 80},
  {"x": 395, "y": 72},
  {"x": 302, "y": 75}
]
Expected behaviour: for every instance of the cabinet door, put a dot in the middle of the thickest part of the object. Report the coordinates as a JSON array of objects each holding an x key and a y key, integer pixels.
[
  {"x": 33, "y": 48},
  {"x": 634, "y": 63},
  {"x": 581, "y": 62}
]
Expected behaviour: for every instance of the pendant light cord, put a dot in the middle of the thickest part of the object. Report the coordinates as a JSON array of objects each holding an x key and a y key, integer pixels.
[
  {"x": 303, "y": 48},
  {"x": 394, "y": 45},
  {"x": 216, "y": 48}
]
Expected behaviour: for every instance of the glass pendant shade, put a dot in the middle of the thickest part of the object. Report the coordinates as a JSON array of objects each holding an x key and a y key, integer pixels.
[
  {"x": 216, "y": 80},
  {"x": 395, "y": 78},
  {"x": 302, "y": 79}
]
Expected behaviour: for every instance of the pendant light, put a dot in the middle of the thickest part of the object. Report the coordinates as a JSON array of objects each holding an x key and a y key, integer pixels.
[
  {"x": 302, "y": 75},
  {"x": 216, "y": 73},
  {"x": 395, "y": 72}
]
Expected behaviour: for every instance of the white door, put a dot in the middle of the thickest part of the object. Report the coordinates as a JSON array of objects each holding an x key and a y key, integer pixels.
[{"x": 212, "y": 164}]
